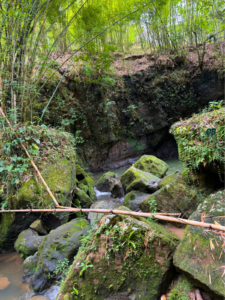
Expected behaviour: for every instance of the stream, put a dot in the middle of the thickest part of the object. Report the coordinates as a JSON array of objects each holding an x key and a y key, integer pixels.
[{"x": 11, "y": 286}]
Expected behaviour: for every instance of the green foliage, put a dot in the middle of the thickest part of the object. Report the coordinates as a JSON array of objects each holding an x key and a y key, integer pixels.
[
  {"x": 180, "y": 289},
  {"x": 176, "y": 295},
  {"x": 152, "y": 208},
  {"x": 61, "y": 270}
]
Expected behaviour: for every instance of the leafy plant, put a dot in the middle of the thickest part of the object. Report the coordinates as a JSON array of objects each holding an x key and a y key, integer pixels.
[
  {"x": 84, "y": 266},
  {"x": 61, "y": 270},
  {"x": 152, "y": 207}
]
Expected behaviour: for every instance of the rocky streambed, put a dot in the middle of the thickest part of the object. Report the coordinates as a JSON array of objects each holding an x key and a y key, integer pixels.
[{"x": 122, "y": 257}]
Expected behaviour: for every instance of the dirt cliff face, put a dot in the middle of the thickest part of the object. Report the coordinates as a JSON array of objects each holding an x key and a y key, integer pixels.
[{"x": 118, "y": 122}]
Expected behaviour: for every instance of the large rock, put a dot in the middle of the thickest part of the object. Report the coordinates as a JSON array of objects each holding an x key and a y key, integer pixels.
[
  {"x": 109, "y": 183},
  {"x": 199, "y": 146},
  {"x": 61, "y": 243},
  {"x": 124, "y": 258},
  {"x": 39, "y": 227},
  {"x": 134, "y": 179},
  {"x": 201, "y": 251},
  {"x": 174, "y": 196},
  {"x": 28, "y": 242},
  {"x": 133, "y": 199},
  {"x": 106, "y": 182},
  {"x": 152, "y": 164},
  {"x": 107, "y": 204}
]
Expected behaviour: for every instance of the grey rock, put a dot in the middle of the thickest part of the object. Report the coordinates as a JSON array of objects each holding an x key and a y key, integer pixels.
[
  {"x": 135, "y": 179},
  {"x": 28, "y": 242},
  {"x": 61, "y": 243},
  {"x": 133, "y": 199}
]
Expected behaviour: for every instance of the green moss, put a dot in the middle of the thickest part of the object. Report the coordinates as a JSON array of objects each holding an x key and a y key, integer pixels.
[
  {"x": 6, "y": 221},
  {"x": 152, "y": 164},
  {"x": 105, "y": 177},
  {"x": 135, "y": 179},
  {"x": 174, "y": 196},
  {"x": 168, "y": 179},
  {"x": 59, "y": 183}
]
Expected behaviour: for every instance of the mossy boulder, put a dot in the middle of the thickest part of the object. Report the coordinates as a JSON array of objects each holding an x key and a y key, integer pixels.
[
  {"x": 84, "y": 200},
  {"x": 106, "y": 182},
  {"x": 58, "y": 176},
  {"x": 28, "y": 242},
  {"x": 133, "y": 199},
  {"x": 86, "y": 185},
  {"x": 174, "y": 196},
  {"x": 123, "y": 257},
  {"x": 152, "y": 164},
  {"x": 39, "y": 227},
  {"x": 135, "y": 179},
  {"x": 201, "y": 141},
  {"x": 201, "y": 251},
  {"x": 11, "y": 225},
  {"x": 61, "y": 243}
]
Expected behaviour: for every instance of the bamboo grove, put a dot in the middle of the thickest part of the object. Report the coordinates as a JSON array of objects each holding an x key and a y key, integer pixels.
[{"x": 31, "y": 30}]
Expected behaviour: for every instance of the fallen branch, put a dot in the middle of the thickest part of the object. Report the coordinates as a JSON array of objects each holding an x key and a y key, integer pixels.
[
  {"x": 123, "y": 212},
  {"x": 32, "y": 162}
]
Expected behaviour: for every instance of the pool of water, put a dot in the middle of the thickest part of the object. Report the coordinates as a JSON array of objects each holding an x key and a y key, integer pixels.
[
  {"x": 174, "y": 165},
  {"x": 11, "y": 286}
]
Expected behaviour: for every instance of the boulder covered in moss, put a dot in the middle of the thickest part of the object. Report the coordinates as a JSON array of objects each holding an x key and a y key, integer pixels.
[
  {"x": 152, "y": 164},
  {"x": 201, "y": 141},
  {"x": 106, "y": 182},
  {"x": 133, "y": 199},
  {"x": 83, "y": 193},
  {"x": 135, "y": 179},
  {"x": 28, "y": 242},
  {"x": 39, "y": 227},
  {"x": 20, "y": 187},
  {"x": 62, "y": 243},
  {"x": 109, "y": 183},
  {"x": 123, "y": 257},
  {"x": 174, "y": 196},
  {"x": 200, "y": 254}
]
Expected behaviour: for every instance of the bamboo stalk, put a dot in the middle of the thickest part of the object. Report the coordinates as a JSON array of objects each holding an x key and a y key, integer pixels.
[
  {"x": 122, "y": 212},
  {"x": 32, "y": 162}
]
